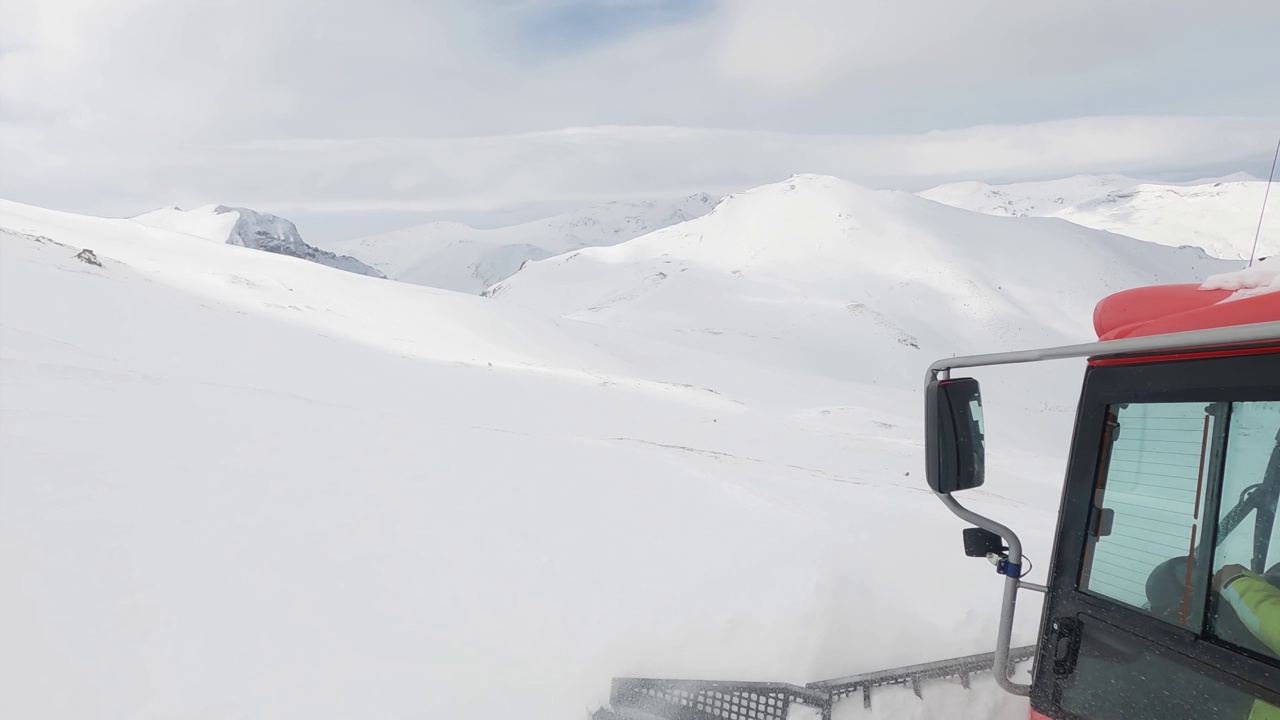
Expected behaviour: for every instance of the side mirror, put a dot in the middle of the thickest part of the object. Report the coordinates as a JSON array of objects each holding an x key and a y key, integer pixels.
[{"x": 954, "y": 449}]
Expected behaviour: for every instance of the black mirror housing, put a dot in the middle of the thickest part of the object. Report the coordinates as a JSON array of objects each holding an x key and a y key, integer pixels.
[{"x": 954, "y": 444}]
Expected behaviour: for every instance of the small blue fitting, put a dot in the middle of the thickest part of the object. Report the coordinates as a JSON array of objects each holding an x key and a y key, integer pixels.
[{"x": 1004, "y": 567}]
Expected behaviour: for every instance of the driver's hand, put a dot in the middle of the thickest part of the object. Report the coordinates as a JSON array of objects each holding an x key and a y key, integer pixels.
[{"x": 1227, "y": 572}]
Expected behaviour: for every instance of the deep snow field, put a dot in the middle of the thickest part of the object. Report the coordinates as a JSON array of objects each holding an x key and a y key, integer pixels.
[{"x": 235, "y": 484}]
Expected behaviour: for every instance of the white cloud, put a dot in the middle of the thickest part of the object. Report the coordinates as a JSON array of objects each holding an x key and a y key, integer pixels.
[
  {"x": 120, "y": 105},
  {"x": 588, "y": 164},
  {"x": 182, "y": 69},
  {"x": 168, "y": 70},
  {"x": 803, "y": 42}
]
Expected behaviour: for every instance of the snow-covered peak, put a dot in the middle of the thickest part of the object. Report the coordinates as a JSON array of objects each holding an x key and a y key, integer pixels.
[
  {"x": 253, "y": 227},
  {"x": 211, "y": 222},
  {"x": 250, "y": 229},
  {"x": 454, "y": 256},
  {"x": 1231, "y": 177},
  {"x": 852, "y": 282},
  {"x": 618, "y": 221},
  {"x": 1217, "y": 215}
]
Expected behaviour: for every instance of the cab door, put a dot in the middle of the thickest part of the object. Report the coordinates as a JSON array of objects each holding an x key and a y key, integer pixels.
[{"x": 1174, "y": 476}]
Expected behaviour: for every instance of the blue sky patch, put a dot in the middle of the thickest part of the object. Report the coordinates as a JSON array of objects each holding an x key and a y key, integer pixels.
[{"x": 575, "y": 25}]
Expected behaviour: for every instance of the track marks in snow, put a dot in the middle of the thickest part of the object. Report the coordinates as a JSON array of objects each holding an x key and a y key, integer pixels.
[{"x": 724, "y": 456}]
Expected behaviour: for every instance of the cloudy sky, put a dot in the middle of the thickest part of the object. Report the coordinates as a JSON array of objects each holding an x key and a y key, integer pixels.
[{"x": 381, "y": 112}]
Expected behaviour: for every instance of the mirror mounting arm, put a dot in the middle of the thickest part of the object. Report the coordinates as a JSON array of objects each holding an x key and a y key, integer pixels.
[{"x": 1011, "y": 584}]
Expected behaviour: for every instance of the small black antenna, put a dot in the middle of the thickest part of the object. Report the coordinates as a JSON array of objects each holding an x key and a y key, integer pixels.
[{"x": 1254, "y": 252}]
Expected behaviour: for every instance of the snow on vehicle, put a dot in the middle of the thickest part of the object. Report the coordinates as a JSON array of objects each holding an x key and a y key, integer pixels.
[{"x": 1176, "y": 447}]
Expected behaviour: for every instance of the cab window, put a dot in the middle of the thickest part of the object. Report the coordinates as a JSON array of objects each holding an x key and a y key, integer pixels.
[
  {"x": 1185, "y": 502},
  {"x": 1148, "y": 509},
  {"x": 1247, "y": 555}
]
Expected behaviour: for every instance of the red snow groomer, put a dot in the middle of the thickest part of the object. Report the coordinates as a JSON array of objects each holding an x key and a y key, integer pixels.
[{"x": 1163, "y": 595}]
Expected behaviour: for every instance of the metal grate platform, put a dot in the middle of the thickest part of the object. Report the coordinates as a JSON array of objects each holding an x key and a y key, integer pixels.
[
  {"x": 914, "y": 675},
  {"x": 712, "y": 700},
  {"x": 663, "y": 699}
]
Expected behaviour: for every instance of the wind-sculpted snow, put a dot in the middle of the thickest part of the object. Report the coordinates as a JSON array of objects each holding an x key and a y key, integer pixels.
[
  {"x": 1220, "y": 216},
  {"x": 1261, "y": 278},
  {"x": 457, "y": 257},
  {"x": 250, "y": 229}
]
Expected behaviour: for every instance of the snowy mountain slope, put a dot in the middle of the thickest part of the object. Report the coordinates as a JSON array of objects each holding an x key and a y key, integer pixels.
[
  {"x": 235, "y": 484},
  {"x": 851, "y": 283},
  {"x": 251, "y": 229},
  {"x": 457, "y": 257},
  {"x": 1220, "y": 216}
]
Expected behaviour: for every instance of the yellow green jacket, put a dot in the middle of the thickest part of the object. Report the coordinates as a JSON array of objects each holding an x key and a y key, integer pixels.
[{"x": 1257, "y": 602}]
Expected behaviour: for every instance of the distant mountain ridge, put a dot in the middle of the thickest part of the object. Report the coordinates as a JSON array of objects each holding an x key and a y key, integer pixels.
[
  {"x": 454, "y": 256},
  {"x": 251, "y": 229},
  {"x": 1219, "y": 216}
]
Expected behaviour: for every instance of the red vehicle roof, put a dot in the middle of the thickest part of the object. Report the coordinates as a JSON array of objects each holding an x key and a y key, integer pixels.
[{"x": 1163, "y": 309}]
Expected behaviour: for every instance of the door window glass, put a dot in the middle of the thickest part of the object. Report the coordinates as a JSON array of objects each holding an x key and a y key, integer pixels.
[
  {"x": 1246, "y": 612},
  {"x": 1147, "y": 512}
]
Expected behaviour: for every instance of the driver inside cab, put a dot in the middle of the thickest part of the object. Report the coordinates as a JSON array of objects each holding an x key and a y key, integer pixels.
[
  {"x": 1257, "y": 604},
  {"x": 1255, "y": 600}
]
